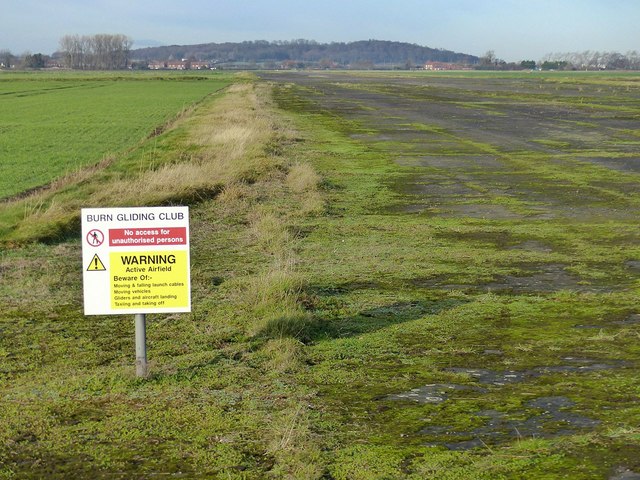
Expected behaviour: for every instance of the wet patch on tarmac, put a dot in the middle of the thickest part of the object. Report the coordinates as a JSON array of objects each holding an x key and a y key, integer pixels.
[
  {"x": 633, "y": 319},
  {"x": 467, "y": 162},
  {"x": 540, "y": 278},
  {"x": 532, "y": 246},
  {"x": 481, "y": 211},
  {"x": 498, "y": 379},
  {"x": 544, "y": 278},
  {"x": 433, "y": 393},
  {"x": 623, "y": 473},
  {"x": 541, "y": 417},
  {"x": 550, "y": 417},
  {"x": 622, "y": 164},
  {"x": 633, "y": 265}
]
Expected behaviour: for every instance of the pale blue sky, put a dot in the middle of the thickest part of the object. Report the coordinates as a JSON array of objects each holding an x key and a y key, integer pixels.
[{"x": 513, "y": 29}]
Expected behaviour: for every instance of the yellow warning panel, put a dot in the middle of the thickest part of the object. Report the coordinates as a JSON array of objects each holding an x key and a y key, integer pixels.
[
  {"x": 96, "y": 265},
  {"x": 149, "y": 279}
]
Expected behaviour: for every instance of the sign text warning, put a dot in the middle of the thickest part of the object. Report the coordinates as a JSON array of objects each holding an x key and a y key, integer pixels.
[{"x": 148, "y": 281}]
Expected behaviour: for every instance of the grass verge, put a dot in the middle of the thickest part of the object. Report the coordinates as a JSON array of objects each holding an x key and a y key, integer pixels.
[{"x": 220, "y": 401}]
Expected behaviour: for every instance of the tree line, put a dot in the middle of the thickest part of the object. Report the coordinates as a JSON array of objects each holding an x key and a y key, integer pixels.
[
  {"x": 587, "y": 60},
  {"x": 594, "y": 60},
  {"x": 96, "y": 52},
  {"x": 26, "y": 60},
  {"x": 113, "y": 52}
]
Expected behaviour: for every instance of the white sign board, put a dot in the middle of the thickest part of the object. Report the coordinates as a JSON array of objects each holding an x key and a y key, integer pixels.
[{"x": 136, "y": 260}]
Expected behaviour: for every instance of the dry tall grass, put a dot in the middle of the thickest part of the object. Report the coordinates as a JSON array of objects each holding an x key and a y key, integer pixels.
[
  {"x": 234, "y": 139},
  {"x": 304, "y": 181},
  {"x": 231, "y": 136},
  {"x": 302, "y": 178},
  {"x": 269, "y": 231}
]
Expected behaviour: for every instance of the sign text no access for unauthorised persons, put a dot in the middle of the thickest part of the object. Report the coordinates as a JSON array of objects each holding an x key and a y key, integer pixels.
[{"x": 136, "y": 260}]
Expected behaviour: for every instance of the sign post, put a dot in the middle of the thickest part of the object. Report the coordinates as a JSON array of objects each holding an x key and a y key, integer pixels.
[
  {"x": 141, "y": 345},
  {"x": 136, "y": 261}
]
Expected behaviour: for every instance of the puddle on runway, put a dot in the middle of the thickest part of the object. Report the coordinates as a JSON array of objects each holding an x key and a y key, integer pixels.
[
  {"x": 553, "y": 418},
  {"x": 433, "y": 393},
  {"x": 541, "y": 278},
  {"x": 541, "y": 417}
]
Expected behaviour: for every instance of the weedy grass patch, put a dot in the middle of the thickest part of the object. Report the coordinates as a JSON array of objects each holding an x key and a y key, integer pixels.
[{"x": 220, "y": 401}]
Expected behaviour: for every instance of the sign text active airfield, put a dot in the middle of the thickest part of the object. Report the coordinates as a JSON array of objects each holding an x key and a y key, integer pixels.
[{"x": 136, "y": 260}]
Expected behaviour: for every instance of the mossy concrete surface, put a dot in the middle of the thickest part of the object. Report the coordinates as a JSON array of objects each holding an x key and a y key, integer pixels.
[{"x": 477, "y": 274}]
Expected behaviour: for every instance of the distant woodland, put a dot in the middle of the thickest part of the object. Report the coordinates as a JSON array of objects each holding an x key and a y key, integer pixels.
[{"x": 305, "y": 52}]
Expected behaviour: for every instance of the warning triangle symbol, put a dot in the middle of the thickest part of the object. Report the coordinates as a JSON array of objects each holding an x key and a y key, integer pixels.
[{"x": 96, "y": 264}]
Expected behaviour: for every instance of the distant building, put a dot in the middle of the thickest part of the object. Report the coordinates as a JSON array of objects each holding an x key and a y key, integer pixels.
[
  {"x": 200, "y": 65},
  {"x": 179, "y": 65},
  {"x": 439, "y": 66},
  {"x": 51, "y": 63}
]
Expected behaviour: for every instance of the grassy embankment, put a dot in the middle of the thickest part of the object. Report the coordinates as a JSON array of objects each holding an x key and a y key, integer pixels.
[
  {"x": 214, "y": 403},
  {"x": 313, "y": 301}
]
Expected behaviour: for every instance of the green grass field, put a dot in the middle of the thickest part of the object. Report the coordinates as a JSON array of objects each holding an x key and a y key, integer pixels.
[
  {"x": 393, "y": 276},
  {"x": 52, "y": 125}
]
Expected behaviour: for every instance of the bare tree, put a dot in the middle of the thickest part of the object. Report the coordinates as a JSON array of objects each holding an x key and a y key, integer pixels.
[
  {"x": 488, "y": 59},
  {"x": 101, "y": 51},
  {"x": 6, "y": 59}
]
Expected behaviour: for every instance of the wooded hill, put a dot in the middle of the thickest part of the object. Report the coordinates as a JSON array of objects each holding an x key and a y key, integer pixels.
[{"x": 307, "y": 51}]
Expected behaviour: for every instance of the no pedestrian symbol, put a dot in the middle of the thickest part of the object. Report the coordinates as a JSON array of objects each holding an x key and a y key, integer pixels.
[{"x": 95, "y": 238}]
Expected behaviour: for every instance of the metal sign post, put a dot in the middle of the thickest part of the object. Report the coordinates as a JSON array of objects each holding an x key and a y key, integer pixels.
[{"x": 142, "y": 369}]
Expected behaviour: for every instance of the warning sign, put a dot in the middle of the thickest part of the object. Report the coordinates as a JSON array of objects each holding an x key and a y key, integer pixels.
[
  {"x": 96, "y": 265},
  {"x": 145, "y": 254}
]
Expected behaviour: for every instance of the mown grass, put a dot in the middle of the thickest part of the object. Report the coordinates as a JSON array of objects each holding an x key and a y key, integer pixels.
[{"x": 54, "y": 125}]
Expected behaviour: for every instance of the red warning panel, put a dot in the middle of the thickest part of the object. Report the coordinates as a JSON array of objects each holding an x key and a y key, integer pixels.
[{"x": 126, "y": 237}]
